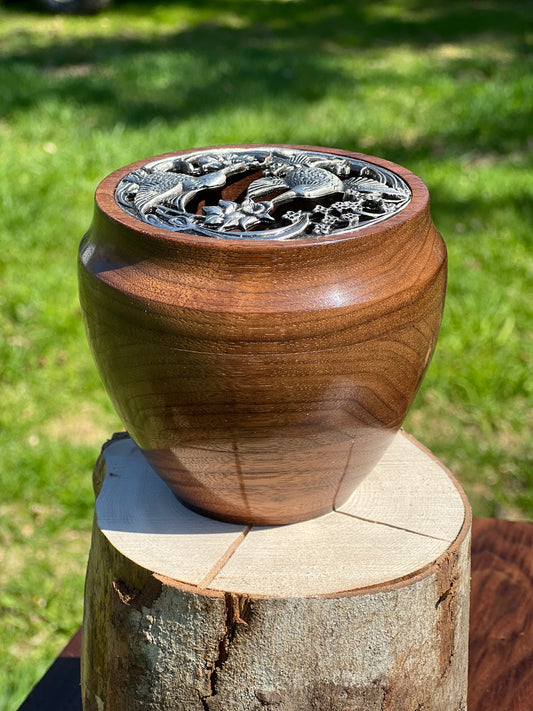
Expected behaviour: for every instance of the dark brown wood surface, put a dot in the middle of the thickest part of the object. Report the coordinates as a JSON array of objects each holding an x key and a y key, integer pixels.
[
  {"x": 262, "y": 379},
  {"x": 501, "y": 629},
  {"x": 501, "y": 626}
]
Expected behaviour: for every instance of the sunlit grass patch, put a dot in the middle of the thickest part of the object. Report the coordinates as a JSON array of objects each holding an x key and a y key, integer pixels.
[{"x": 444, "y": 89}]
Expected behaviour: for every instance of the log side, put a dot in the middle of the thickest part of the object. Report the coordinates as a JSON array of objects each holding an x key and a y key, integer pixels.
[{"x": 151, "y": 642}]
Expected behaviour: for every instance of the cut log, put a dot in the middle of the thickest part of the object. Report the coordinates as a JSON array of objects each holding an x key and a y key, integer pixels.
[{"x": 362, "y": 609}]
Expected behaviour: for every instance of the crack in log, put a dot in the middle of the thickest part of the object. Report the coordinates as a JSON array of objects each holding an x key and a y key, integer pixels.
[
  {"x": 443, "y": 597},
  {"x": 215, "y": 570},
  {"x": 203, "y": 701},
  {"x": 447, "y": 605},
  {"x": 447, "y": 668},
  {"x": 238, "y": 611},
  {"x": 391, "y": 525},
  {"x": 449, "y": 591}
]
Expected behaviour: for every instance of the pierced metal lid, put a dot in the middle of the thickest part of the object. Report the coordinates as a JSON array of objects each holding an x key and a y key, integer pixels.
[{"x": 277, "y": 193}]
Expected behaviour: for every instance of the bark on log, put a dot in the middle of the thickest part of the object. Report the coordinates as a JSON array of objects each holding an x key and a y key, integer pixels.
[{"x": 364, "y": 609}]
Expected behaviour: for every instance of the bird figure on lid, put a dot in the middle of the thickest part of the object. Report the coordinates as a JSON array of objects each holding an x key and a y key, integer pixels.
[{"x": 299, "y": 176}]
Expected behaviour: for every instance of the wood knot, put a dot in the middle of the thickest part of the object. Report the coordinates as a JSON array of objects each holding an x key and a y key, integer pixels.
[{"x": 133, "y": 597}]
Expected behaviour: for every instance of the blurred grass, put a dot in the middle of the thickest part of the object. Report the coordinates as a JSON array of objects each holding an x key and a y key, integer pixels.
[{"x": 444, "y": 89}]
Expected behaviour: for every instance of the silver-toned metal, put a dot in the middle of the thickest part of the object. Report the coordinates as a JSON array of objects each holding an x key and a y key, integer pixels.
[{"x": 296, "y": 193}]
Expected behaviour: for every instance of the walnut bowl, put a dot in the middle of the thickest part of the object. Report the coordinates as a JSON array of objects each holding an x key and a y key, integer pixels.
[{"x": 261, "y": 317}]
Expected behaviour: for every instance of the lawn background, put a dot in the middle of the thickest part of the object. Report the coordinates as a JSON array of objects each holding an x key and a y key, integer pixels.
[{"x": 443, "y": 88}]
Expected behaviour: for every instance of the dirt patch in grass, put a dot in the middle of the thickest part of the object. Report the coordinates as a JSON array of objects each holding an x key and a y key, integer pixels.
[
  {"x": 90, "y": 425},
  {"x": 82, "y": 69}
]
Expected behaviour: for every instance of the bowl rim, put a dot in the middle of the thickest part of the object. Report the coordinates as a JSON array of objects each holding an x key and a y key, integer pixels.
[{"x": 106, "y": 203}]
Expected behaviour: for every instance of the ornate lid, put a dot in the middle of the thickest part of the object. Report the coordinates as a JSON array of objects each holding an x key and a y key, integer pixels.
[{"x": 262, "y": 193}]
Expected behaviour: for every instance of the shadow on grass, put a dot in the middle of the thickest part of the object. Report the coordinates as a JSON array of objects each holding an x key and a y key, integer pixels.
[
  {"x": 278, "y": 54},
  {"x": 364, "y": 23},
  {"x": 286, "y": 56},
  {"x": 172, "y": 77}
]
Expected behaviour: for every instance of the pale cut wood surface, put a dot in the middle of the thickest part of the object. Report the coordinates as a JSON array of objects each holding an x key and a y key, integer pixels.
[
  {"x": 143, "y": 519},
  {"x": 402, "y": 517},
  {"x": 334, "y": 614},
  {"x": 423, "y": 497}
]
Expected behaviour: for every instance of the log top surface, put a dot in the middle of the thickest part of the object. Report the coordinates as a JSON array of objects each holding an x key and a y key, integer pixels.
[{"x": 401, "y": 519}]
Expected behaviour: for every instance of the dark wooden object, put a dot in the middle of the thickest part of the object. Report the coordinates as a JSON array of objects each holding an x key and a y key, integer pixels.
[
  {"x": 501, "y": 626},
  {"x": 262, "y": 379},
  {"x": 501, "y": 629}
]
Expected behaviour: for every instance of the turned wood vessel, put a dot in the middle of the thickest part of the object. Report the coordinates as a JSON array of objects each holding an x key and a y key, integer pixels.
[{"x": 261, "y": 317}]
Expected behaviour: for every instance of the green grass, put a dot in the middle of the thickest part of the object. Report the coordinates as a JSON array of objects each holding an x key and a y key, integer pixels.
[{"x": 442, "y": 88}]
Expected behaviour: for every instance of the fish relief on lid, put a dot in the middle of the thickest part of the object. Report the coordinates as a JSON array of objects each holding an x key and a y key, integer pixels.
[{"x": 286, "y": 193}]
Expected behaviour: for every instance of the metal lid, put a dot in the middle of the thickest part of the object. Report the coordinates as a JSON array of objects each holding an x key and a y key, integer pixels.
[{"x": 276, "y": 193}]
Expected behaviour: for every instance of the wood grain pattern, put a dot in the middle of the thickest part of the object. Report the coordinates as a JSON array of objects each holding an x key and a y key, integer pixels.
[
  {"x": 263, "y": 380},
  {"x": 501, "y": 634},
  {"x": 386, "y": 494}
]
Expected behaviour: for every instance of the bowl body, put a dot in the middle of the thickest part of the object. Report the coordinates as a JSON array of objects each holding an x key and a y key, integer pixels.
[{"x": 262, "y": 379}]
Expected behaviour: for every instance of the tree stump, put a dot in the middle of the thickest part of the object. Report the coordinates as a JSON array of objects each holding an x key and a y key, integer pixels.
[{"x": 362, "y": 609}]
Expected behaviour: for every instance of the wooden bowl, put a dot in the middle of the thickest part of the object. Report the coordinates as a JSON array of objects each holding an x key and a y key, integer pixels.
[{"x": 262, "y": 375}]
